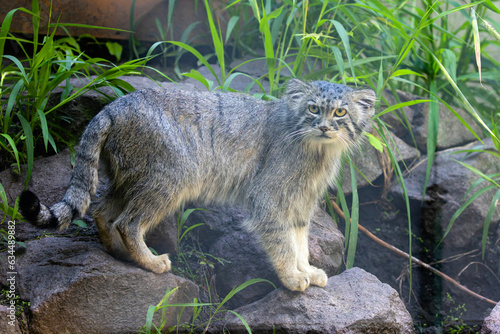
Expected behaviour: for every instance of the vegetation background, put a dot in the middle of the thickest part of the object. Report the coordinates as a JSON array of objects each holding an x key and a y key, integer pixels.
[{"x": 445, "y": 52}]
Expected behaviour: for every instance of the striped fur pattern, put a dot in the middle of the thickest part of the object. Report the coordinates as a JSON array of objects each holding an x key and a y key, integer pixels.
[{"x": 162, "y": 148}]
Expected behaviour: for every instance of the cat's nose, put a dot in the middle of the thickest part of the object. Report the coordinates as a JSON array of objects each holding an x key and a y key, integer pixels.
[{"x": 323, "y": 128}]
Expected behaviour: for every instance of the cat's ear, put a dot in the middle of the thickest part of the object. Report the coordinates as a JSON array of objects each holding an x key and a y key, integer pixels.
[
  {"x": 296, "y": 89},
  {"x": 364, "y": 98}
]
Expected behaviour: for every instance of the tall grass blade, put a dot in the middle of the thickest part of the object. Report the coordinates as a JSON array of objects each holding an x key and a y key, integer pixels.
[
  {"x": 487, "y": 222},
  {"x": 432, "y": 134},
  {"x": 477, "y": 42},
  {"x": 14, "y": 149},
  {"x": 345, "y": 41},
  {"x": 329, "y": 206},
  {"x": 242, "y": 320},
  {"x": 14, "y": 94},
  {"x": 30, "y": 148},
  {"x": 400, "y": 106},
  {"x": 461, "y": 209},
  {"x": 6, "y": 27},
  {"x": 478, "y": 172},
  {"x": 462, "y": 97},
  {"x": 197, "y": 55},
  {"x": 345, "y": 210},
  {"x": 400, "y": 179},
  {"x": 218, "y": 43},
  {"x": 353, "y": 235}
]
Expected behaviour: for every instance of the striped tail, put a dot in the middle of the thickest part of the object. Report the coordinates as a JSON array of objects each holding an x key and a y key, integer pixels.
[{"x": 83, "y": 182}]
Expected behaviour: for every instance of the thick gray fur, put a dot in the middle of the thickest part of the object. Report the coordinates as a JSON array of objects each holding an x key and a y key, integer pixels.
[{"x": 164, "y": 147}]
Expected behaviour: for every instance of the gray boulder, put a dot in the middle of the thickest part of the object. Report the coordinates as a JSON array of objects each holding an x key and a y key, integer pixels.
[
  {"x": 225, "y": 238},
  {"x": 75, "y": 286},
  {"x": 448, "y": 184},
  {"x": 451, "y": 131},
  {"x": 491, "y": 324},
  {"x": 352, "y": 302},
  {"x": 13, "y": 322}
]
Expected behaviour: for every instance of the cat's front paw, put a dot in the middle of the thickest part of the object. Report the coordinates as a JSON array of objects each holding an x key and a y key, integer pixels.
[
  {"x": 317, "y": 277},
  {"x": 158, "y": 264},
  {"x": 296, "y": 281}
]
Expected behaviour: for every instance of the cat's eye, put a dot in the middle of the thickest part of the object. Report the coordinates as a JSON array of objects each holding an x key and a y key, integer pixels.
[
  {"x": 313, "y": 108},
  {"x": 340, "y": 112}
]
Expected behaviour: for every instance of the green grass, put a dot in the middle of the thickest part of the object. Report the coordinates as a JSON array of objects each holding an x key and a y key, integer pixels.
[
  {"x": 203, "y": 313},
  {"x": 29, "y": 122}
]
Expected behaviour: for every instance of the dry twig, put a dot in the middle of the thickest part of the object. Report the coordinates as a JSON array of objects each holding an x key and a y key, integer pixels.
[{"x": 414, "y": 259}]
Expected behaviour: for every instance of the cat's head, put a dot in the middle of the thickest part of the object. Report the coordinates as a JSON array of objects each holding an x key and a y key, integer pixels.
[{"x": 325, "y": 112}]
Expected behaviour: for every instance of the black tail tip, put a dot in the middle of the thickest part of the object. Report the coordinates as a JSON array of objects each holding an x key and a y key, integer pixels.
[{"x": 29, "y": 206}]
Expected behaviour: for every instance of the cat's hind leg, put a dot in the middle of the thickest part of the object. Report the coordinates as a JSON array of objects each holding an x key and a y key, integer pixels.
[
  {"x": 141, "y": 214},
  {"x": 108, "y": 209}
]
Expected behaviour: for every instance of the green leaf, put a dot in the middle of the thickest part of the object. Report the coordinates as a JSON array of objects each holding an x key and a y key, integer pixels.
[
  {"x": 400, "y": 105},
  {"x": 406, "y": 72},
  {"x": 195, "y": 74},
  {"x": 80, "y": 223},
  {"x": 114, "y": 49},
  {"x": 189, "y": 229},
  {"x": 376, "y": 142},
  {"x": 230, "y": 26}
]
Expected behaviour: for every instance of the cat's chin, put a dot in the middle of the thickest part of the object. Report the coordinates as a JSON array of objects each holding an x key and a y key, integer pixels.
[{"x": 322, "y": 139}]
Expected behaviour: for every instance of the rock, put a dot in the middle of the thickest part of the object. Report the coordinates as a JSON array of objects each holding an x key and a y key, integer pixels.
[
  {"x": 225, "y": 238},
  {"x": 352, "y": 302},
  {"x": 240, "y": 82},
  {"x": 10, "y": 325},
  {"x": 491, "y": 324},
  {"x": 49, "y": 180},
  {"x": 451, "y": 131},
  {"x": 448, "y": 184},
  {"x": 368, "y": 161},
  {"x": 74, "y": 286}
]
